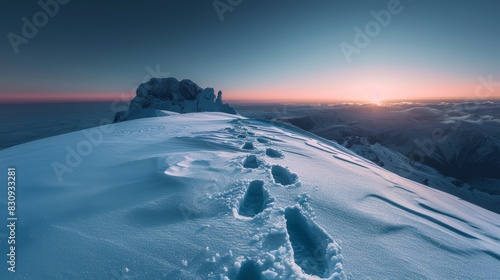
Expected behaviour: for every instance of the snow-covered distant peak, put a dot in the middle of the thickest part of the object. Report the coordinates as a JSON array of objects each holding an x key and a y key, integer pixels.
[{"x": 169, "y": 94}]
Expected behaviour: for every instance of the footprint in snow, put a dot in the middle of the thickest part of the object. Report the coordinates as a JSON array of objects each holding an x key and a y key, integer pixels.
[
  {"x": 251, "y": 161},
  {"x": 249, "y": 270},
  {"x": 274, "y": 153},
  {"x": 255, "y": 199},
  {"x": 283, "y": 176},
  {"x": 248, "y": 146},
  {"x": 309, "y": 243},
  {"x": 262, "y": 140}
]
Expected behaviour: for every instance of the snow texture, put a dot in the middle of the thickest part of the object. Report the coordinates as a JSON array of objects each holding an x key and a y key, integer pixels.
[{"x": 176, "y": 197}]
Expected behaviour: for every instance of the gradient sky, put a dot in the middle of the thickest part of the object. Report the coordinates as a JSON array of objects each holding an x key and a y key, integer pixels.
[{"x": 262, "y": 50}]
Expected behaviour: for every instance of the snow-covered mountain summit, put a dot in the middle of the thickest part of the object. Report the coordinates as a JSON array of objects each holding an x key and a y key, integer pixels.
[
  {"x": 219, "y": 196},
  {"x": 169, "y": 94}
]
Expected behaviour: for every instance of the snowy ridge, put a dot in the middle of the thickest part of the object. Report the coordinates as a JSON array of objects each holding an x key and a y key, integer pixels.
[
  {"x": 464, "y": 148},
  {"x": 401, "y": 165},
  {"x": 218, "y": 196}
]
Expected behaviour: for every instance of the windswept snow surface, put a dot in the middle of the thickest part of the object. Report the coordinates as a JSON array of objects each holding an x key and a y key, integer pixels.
[{"x": 218, "y": 196}]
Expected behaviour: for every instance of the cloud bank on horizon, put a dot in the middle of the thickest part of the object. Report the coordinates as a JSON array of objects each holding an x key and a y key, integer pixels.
[{"x": 253, "y": 50}]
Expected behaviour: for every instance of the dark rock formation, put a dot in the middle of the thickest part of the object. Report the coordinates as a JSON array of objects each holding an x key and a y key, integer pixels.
[{"x": 168, "y": 94}]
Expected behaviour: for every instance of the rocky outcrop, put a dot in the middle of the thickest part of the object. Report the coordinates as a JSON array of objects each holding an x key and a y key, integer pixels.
[{"x": 168, "y": 94}]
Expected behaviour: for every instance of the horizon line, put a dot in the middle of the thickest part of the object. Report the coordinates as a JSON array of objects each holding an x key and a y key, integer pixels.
[{"x": 245, "y": 101}]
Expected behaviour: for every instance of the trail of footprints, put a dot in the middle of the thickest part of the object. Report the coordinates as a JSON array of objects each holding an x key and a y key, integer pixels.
[{"x": 308, "y": 241}]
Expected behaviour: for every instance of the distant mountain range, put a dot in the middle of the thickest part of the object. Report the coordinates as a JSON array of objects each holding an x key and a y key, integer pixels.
[{"x": 449, "y": 146}]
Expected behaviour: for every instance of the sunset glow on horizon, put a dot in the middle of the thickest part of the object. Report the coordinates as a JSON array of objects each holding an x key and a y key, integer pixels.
[
  {"x": 374, "y": 90},
  {"x": 297, "y": 58},
  {"x": 61, "y": 98},
  {"x": 367, "y": 86}
]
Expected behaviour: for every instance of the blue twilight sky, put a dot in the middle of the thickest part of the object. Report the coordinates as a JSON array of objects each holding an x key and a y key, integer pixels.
[{"x": 261, "y": 50}]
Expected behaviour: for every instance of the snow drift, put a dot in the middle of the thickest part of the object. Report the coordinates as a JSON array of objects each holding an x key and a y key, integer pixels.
[{"x": 219, "y": 196}]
